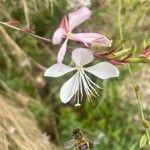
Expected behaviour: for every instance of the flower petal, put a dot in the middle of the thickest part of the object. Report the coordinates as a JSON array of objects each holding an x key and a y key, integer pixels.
[
  {"x": 90, "y": 38},
  {"x": 78, "y": 17},
  {"x": 57, "y": 70},
  {"x": 82, "y": 56},
  {"x": 103, "y": 70},
  {"x": 69, "y": 89},
  {"x": 62, "y": 52},
  {"x": 64, "y": 24},
  {"x": 57, "y": 36}
]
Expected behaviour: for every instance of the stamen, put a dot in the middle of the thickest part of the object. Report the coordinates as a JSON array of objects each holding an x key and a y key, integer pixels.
[
  {"x": 75, "y": 97},
  {"x": 77, "y": 94},
  {"x": 77, "y": 104},
  {"x": 84, "y": 84},
  {"x": 86, "y": 87},
  {"x": 80, "y": 83},
  {"x": 91, "y": 80},
  {"x": 89, "y": 98},
  {"x": 83, "y": 81},
  {"x": 75, "y": 87},
  {"x": 69, "y": 35},
  {"x": 90, "y": 86},
  {"x": 89, "y": 83}
]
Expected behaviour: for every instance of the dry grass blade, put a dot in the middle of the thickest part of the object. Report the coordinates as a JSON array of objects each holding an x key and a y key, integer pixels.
[
  {"x": 26, "y": 12},
  {"x": 16, "y": 51},
  {"x": 22, "y": 58},
  {"x": 19, "y": 131}
]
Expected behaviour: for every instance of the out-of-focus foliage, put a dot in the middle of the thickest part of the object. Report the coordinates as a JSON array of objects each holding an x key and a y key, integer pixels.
[{"x": 23, "y": 60}]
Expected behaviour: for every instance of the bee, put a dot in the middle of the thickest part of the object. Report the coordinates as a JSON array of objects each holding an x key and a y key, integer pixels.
[{"x": 78, "y": 141}]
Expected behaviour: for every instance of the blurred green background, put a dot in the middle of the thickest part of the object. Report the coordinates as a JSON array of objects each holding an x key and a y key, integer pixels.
[{"x": 23, "y": 60}]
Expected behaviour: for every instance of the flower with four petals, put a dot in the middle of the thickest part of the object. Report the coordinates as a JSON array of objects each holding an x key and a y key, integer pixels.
[
  {"x": 64, "y": 31},
  {"x": 80, "y": 81}
]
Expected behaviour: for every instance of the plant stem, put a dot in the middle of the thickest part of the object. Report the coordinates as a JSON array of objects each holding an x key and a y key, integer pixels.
[
  {"x": 135, "y": 86},
  {"x": 136, "y": 89},
  {"x": 27, "y": 33}
]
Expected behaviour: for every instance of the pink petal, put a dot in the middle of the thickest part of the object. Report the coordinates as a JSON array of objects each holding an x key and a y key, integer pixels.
[
  {"x": 62, "y": 52},
  {"x": 64, "y": 24},
  {"x": 57, "y": 36},
  {"x": 90, "y": 38},
  {"x": 78, "y": 17}
]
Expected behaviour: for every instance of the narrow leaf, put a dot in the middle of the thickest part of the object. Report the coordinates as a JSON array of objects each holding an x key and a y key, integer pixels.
[{"x": 143, "y": 140}]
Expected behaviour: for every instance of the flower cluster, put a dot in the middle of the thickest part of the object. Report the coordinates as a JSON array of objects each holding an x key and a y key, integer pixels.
[{"x": 79, "y": 82}]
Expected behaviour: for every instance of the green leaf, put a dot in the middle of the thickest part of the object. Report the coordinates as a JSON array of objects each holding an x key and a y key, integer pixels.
[{"x": 143, "y": 140}]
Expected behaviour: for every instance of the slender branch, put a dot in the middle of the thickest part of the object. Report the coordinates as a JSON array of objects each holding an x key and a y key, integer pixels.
[
  {"x": 135, "y": 86},
  {"x": 136, "y": 89},
  {"x": 27, "y": 33}
]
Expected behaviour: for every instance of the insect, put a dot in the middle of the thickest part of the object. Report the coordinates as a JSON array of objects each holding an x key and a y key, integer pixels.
[{"x": 78, "y": 141}]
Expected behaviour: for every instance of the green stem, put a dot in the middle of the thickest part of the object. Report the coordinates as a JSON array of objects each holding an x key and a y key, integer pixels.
[
  {"x": 136, "y": 89},
  {"x": 135, "y": 86}
]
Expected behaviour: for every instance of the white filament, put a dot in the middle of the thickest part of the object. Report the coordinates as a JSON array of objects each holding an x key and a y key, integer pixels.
[{"x": 83, "y": 82}]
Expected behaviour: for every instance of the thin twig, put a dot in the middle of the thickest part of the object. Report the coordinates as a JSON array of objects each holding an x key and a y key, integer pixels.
[{"x": 27, "y": 33}]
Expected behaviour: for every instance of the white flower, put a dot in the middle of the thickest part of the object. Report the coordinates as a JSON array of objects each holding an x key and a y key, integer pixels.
[{"x": 80, "y": 82}]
